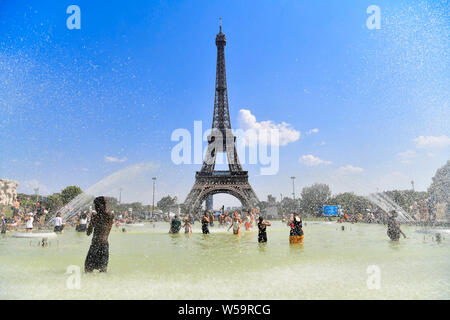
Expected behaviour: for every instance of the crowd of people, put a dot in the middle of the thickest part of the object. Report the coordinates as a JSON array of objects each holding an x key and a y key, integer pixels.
[
  {"x": 100, "y": 221},
  {"x": 234, "y": 222}
]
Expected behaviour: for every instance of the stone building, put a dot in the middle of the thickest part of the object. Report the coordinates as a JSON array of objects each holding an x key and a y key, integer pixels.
[{"x": 8, "y": 191}]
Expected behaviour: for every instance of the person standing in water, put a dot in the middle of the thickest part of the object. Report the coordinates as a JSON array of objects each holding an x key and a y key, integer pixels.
[
  {"x": 3, "y": 224},
  {"x": 205, "y": 223},
  {"x": 101, "y": 223},
  {"x": 262, "y": 235},
  {"x": 211, "y": 219},
  {"x": 187, "y": 226},
  {"x": 236, "y": 224},
  {"x": 175, "y": 225},
  {"x": 249, "y": 221},
  {"x": 29, "y": 222},
  {"x": 58, "y": 223},
  {"x": 394, "y": 230},
  {"x": 83, "y": 222},
  {"x": 296, "y": 234}
]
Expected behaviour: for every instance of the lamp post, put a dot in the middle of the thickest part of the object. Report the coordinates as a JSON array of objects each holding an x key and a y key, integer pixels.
[
  {"x": 153, "y": 205},
  {"x": 293, "y": 187},
  {"x": 412, "y": 184},
  {"x": 120, "y": 195}
]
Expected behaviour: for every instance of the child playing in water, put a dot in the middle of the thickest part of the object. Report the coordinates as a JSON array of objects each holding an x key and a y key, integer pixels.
[
  {"x": 187, "y": 226},
  {"x": 236, "y": 224},
  {"x": 248, "y": 221}
]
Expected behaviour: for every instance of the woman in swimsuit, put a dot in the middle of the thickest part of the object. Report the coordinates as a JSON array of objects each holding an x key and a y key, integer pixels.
[
  {"x": 262, "y": 235},
  {"x": 236, "y": 223}
]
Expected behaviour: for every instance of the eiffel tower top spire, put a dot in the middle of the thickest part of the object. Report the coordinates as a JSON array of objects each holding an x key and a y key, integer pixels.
[{"x": 221, "y": 117}]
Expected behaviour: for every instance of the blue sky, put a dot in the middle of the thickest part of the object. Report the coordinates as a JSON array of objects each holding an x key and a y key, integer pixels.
[{"x": 79, "y": 105}]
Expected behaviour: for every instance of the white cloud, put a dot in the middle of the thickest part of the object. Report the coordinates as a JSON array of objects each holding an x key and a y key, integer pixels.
[
  {"x": 113, "y": 159},
  {"x": 315, "y": 130},
  {"x": 247, "y": 121},
  {"x": 37, "y": 163},
  {"x": 349, "y": 169},
  {"x": 432, "y": 141},
  {"x": 311, "y": 160}
]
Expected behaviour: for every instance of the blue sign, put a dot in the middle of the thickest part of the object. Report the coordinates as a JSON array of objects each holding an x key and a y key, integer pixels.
[{"x": 330, "y": 211}]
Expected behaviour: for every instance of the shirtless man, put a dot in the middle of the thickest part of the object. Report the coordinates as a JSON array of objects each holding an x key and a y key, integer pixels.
[{"x": 101, "y": 223}]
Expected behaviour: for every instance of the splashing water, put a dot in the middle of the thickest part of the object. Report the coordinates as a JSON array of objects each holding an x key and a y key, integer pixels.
[
  {"x": 382, "y": 200},
  {"x": 387, "y": 204},
  {"x": 115, "y": 180}
]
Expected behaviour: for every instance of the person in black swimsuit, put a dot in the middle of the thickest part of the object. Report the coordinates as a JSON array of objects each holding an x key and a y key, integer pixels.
[
  {"x": 298, "y": 225},
  {"x": 205, "y": 223},
  {"x": 262, "y": 235}
]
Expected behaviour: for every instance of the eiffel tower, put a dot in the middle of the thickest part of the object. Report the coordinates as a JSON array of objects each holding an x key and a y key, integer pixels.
[{"x": 221, "y": 139}]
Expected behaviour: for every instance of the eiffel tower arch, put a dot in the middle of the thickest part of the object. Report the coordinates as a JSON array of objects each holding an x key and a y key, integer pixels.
[{"x": 209, "y": 181}]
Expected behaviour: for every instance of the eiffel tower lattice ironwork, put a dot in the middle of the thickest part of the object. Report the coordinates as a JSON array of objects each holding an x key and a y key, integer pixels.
[{"x": 209, "y": 181}]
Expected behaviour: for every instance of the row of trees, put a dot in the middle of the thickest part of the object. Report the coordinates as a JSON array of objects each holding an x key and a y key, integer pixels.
[
  {"x": 53, "y": 202},
  {"x": 320, "y": 194}
]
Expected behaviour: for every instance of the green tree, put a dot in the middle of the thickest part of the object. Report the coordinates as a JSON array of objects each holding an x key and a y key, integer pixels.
[
  {"x": 70, "y": 193},
  {"x": 439, "y": 189},
  {"x": 54, "y": 202},
  {"x": 166, "y": 203},
  {"x": 288, "y": 205},
  {"x": 406, "y": 198},
  {"x": 314, "y": 196},
  {"x": 350, "y": 202}
]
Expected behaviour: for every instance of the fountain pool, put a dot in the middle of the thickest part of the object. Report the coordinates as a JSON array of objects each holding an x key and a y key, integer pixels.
[{"x": 148, "y": 263}]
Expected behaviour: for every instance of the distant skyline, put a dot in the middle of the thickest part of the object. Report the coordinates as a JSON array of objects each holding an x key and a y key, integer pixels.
[{"x": 361, "y": 110}]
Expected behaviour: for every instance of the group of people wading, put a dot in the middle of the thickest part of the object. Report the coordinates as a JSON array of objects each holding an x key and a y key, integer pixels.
[
  {"x": 296, "y": 235},
  {"x": 102, "y": 221}
]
